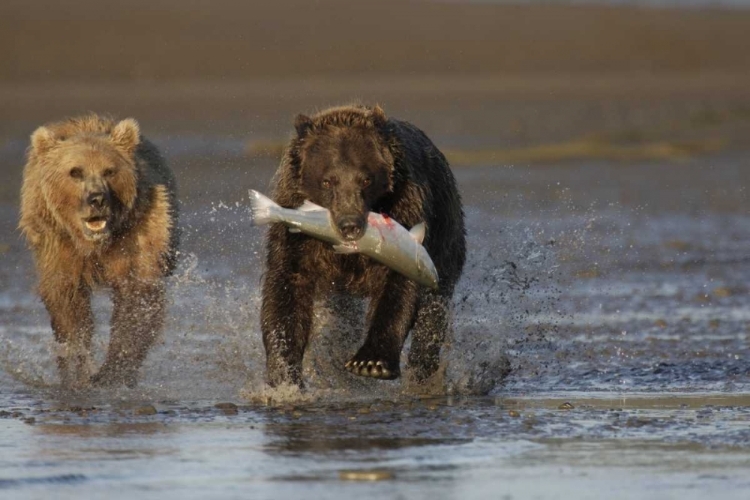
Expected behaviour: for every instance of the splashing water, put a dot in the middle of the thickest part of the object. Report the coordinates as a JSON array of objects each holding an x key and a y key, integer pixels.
[{"x": 560, "y": 292}]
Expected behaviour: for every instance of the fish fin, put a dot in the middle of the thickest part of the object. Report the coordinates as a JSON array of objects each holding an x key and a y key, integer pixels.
[
  {"x": 345, "y": 248},
  {"x": 418, "y": 232},
  {"x": 260, "y": 208},
  {"x": 295, "y": 230},
  {"x": 309, "y": 206}
]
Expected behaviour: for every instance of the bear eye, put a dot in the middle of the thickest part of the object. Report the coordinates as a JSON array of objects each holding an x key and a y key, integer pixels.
[
  {"x": 76, "y": 173},
  {"x": 366, "y": 182},
  {"x": 326, "y": 184},
  {"x": 109, "y": 172}
]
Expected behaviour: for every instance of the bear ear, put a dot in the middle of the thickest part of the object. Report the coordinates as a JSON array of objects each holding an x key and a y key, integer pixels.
[
  {"x": 378, "y": 116},
  {"x": 42, "y": 140},
  {"x": 302, "y": 124},
  {"x": 126, "y": 135}
]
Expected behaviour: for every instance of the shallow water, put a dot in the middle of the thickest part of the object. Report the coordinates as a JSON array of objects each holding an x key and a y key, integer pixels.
[
  {"x": 661, "y": 447},
  {"x": 619, "y": 289}
]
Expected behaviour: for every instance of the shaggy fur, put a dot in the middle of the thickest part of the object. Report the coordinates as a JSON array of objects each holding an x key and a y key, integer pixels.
[
  {"x": 98, "y": 208},
  {"x": 352, "y": 160}
]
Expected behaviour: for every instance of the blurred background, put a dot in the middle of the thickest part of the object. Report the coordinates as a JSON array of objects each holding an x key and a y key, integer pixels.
[{"x": 492, "y": 82}]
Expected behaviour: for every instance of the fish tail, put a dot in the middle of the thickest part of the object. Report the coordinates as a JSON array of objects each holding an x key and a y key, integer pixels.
[{"x": 261, "y": 207}]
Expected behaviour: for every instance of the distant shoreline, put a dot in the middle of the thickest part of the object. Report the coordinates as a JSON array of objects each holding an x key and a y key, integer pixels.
[{"x": 464, "y": 113}]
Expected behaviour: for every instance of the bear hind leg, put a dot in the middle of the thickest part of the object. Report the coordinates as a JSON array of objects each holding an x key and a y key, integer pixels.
[{"x": 431, "y": 326}]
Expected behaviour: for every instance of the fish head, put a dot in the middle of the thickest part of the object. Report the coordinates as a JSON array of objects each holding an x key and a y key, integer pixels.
[{"x": 347, "y": 171}]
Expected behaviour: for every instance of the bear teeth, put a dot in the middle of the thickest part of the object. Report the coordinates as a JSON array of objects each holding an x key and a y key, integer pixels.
[{"x": 96, "y": 225}]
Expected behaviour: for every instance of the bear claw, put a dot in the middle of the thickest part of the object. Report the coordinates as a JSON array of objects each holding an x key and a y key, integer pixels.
[{"x": 375, "y": 369}]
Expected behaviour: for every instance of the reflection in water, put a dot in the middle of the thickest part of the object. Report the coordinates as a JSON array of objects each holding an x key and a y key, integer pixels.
[
  {"x": 436, "y": 446},
  {"x": 61, "y": 480},
  {"x": 112, "y": 430},
  {"x": 110, "y": 441},
  {"x": 321, "y": 438}
]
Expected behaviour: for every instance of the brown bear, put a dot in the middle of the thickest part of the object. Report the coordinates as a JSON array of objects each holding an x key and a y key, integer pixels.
[
  {"x": 98, "y": 209},
  {"x": 353, "y": 160}
]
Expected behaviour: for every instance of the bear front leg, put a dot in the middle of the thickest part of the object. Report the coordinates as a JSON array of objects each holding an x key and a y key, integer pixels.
[
  {"x": 286, "y": 321},
  {"x": 391, "y": 315},
  {"x": 137, "y": 321},
  {"x": 69, "y": 306}
]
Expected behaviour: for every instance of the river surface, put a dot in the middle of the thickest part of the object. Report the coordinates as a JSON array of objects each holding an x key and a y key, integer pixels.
[{"x": 617, "y": 294}]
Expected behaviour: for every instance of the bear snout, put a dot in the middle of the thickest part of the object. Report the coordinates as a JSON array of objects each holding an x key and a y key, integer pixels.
[
  {"x": 351, "y": 227},
  {"x": 96, "y": 199}
]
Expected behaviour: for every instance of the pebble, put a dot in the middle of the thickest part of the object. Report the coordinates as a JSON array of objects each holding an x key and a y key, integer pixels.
[
  {"x": 723, "y": 292},
  {"x": 227, "y": 408},
  {"x": 145, "y": 410},
  {"x": 514, "y": 413},
  {"x": 365, "y": 475},
  {"x": 637, "y": 422}
]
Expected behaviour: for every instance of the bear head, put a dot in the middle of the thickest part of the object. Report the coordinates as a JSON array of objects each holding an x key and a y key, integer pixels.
[
  {"x": 87, "y": 175},
  {"x": 343, "y": 163}
]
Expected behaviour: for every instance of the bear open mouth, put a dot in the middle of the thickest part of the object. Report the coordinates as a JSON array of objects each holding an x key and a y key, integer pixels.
[{"x": 96, "y": 224}]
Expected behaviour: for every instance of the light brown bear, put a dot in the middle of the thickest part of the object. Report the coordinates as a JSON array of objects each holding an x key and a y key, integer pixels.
[{"x": 98, "y": 209}]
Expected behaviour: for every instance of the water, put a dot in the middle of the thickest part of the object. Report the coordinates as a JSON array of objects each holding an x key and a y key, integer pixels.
[
  {"x": 427, "y": 449},
  {"x": 616, "y": 293}
]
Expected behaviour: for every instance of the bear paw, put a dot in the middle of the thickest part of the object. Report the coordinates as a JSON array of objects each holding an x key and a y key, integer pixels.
[{"x": 374, "y": 368}]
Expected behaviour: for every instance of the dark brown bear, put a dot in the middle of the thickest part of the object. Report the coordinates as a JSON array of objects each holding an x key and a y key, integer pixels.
[{"x": 353, "y": 160}]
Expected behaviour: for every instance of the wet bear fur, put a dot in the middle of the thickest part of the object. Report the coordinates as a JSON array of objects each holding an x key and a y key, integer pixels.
[
  {"x": 98, "y": 210},
  {"x": 352, "y": 160}
]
